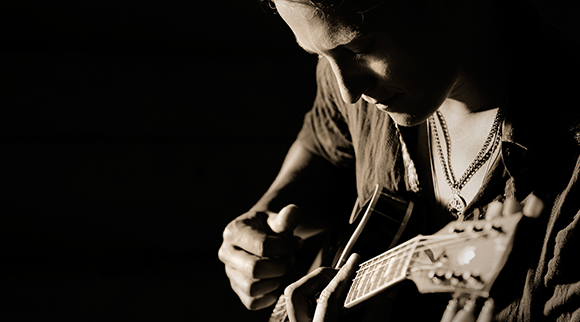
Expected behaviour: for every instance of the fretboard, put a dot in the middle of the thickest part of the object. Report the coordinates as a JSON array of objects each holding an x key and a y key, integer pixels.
[{"x": 381, "y": 272}]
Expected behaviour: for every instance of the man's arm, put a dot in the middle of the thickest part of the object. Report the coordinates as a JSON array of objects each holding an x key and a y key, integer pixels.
[
  {"x": 310, "y": 182},
  {"x": 259, "y": 245}
]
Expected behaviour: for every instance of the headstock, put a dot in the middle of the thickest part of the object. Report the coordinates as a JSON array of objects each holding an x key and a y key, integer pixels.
[{"x": 463, "y": 257}]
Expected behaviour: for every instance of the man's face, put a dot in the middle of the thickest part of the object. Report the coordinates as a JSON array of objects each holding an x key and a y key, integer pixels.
[{"x": 403, "y": 58}]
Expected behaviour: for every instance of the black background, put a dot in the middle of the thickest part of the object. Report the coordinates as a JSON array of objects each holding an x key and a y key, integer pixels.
[{"x": 131, "y": 133}]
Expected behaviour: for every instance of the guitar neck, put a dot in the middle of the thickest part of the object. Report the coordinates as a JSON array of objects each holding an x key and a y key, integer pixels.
[{"x": 381, "y": 272}]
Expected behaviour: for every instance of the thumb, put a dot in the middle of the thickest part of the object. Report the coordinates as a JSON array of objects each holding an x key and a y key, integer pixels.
[{"x": 285, "y": 221}]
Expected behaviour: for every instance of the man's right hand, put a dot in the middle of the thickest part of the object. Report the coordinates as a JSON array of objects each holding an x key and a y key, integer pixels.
[{"x": 258, "y": 250}]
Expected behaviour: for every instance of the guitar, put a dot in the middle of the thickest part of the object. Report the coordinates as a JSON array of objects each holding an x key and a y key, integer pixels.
[{"x": 465, "y": 257}]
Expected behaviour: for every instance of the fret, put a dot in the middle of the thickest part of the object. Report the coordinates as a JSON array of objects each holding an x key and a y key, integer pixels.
[
  {"x": 394, "y": 269},
  {"x": 364, "y": 282},
  {"x": 381, "y": 272},
  {"x": 371, "y": 279},
  {"x": 368, "y": 276},
  {"x": 350, "y": 296},
  {"x": 409, "y": 255},
  {"x": 386, "y": 271},
  {"x": 379, "y": 268},
  {"x": 400, "y": 264},
  {"x": 360, "y": 286}
]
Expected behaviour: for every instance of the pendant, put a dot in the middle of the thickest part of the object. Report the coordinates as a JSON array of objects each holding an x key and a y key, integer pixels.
[{"x": 456, "y": 205}]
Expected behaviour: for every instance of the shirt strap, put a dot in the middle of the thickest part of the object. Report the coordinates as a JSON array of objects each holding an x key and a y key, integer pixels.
[{"x": 411, "y": 177}]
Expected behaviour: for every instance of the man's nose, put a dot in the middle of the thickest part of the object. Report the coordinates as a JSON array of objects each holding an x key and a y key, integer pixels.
[{"x": 353, "y": 79}]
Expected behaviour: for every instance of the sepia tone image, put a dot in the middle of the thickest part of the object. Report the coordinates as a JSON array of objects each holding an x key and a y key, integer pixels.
[{"x": 290, "y": 160}]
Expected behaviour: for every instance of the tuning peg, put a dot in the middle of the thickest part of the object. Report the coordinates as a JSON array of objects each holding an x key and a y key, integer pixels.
[
  {"x": 467, "y": 275},
  {"x": 448, "y": 275},
  {"x": 475, "y": 278},
  {"x": 456, "y": 279},
  {"x": 437, "y": 277}
]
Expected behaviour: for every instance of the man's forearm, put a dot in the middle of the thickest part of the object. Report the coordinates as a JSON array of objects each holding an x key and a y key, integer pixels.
[{"x": 308, "y": 181}]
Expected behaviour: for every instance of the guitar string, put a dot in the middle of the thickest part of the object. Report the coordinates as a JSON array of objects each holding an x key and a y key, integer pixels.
[
  {"x": 375, "y": 283},
  {"x": 427, "y": 241},
  {"x": 365, "y": 287},
  {"x": 397, "y": 252},
  {"x": 402, "y": 247},
  {"x": 424, "y": 242},
  {"x": 384, "y": 262}
]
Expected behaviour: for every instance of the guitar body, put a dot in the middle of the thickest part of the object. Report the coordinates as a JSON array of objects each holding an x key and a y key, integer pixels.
[{"x": 379, "y": 225}]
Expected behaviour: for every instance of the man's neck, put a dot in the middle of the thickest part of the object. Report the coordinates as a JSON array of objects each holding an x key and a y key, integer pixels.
[{"x": 481, "y": 91}]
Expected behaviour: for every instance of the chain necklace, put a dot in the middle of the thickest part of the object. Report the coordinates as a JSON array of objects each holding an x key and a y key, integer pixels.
[{"x": 457, "y": 203}]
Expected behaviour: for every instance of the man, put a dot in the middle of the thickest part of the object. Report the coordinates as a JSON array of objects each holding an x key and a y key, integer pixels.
[{"x": 455, "y": 104}]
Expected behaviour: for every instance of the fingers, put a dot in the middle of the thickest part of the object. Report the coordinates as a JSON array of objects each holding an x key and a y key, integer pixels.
[
  {"x": 450, "y": 311},
  {"x": 255, "y": 280},
  {"x": 252, "y": 287},
  {"x": 256, "y": 256},
  {"x": 255, "y": 294},
  {"x": 248, "y": 232},
  {"x": 301, "y": 295},
  {"x": 332, "y": 285},
  {"x": 258, "y": 280},
  {"x": 342, "y": 280},
  {"x": 254, "y": 267},
  {"x": 254, "y": 260},
  {"x": 494, "y": 210},
  {"x": 285, "y": 221},
  {"x": 468, "y": 312},
  {"x": 255, "y": 303},
  {"x": 511, "y": 206},
  {"x": 487, "y": 310},
  {"x": 532, "y": 207},
  {"x": 332, "y": 298}
]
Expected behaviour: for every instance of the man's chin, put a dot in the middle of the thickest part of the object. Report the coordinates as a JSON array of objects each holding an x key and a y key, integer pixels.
[{"x": 406, "y": 120}]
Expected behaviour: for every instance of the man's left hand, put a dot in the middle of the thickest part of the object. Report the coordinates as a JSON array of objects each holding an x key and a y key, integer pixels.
[{"x": 330, "y": 285}]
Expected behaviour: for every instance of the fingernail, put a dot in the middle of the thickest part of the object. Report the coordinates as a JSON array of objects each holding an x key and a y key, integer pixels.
[
  {"x": 469, "y": 306},
  {"x": 450, "y": 311},
  {"x": 354, "y": 258},
  {"x": 486, "y": 313},
  {"x": 488, "y": 305}
]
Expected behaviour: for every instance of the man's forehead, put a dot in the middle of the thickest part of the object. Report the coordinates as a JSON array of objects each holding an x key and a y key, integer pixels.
[{"x": 316, "y": 29}]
